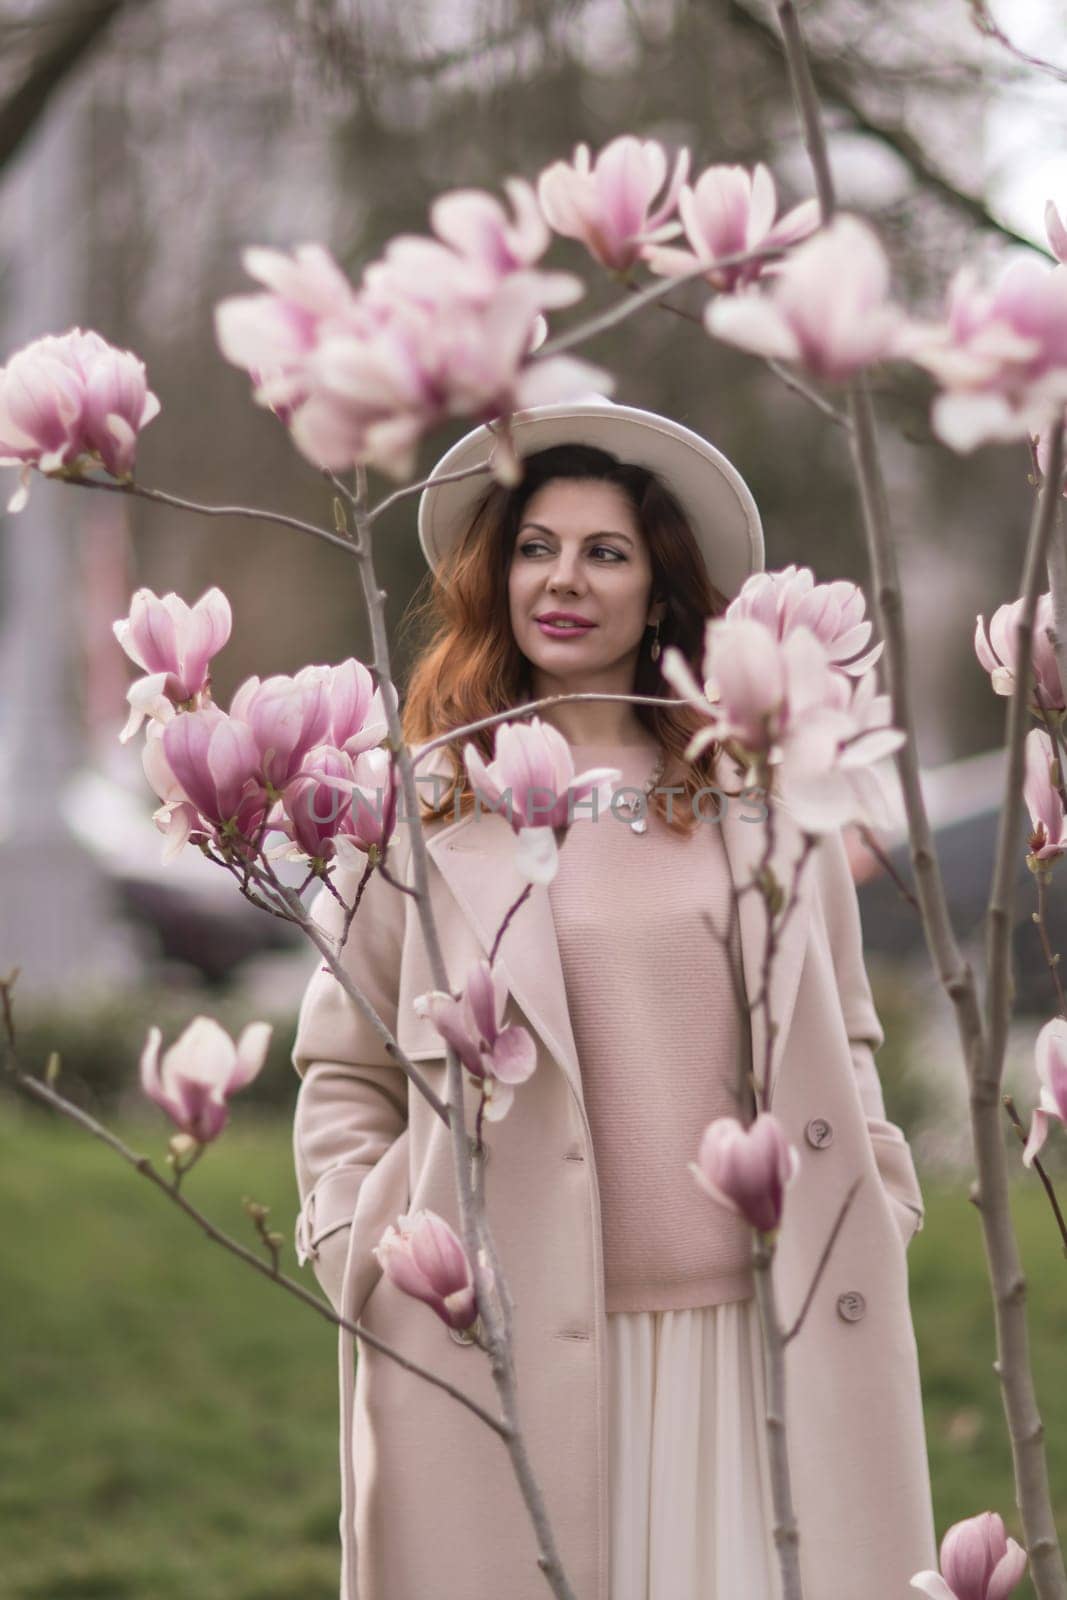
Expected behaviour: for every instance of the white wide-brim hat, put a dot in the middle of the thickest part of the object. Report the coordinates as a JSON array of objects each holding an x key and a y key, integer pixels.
[{"x": 715, "y": 498}]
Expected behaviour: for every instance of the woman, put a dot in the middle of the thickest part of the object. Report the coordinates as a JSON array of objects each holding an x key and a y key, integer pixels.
[{"x": 637, "y": 1338}]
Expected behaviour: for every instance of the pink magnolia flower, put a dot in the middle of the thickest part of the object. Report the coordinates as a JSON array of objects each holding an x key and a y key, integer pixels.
[
  {"x": 747, "y": 1168},
  {"x": 830, "y": 765},
  {"x": 786, "y": 704},
  {"x": 286, "y": 717},
  {"x": 477, "y": 226},
  {"x": 532, "y": 776},
  {"x": 758, "y": 685},
  {"x": 173, "y": 643},
  {"x": 271, "y": 335},
  {"x": 423, "y": 1256},
  {"x": 826, "y": 309},
  {"x": 432, "y": 332},
  {"x": 357, "y": 713},
  {"x": 200, "y": 1072},
  {"x": 1049, "y": 838},
  {"x": 996, "y": 650},
  {"x": 412, "y": 365},
  {"x": 835, "y": 613},
  {"x": 477, "y": 246},
  {"x": 731, "y": 211},
  {"x": 471, "y": 1023},
  {"x": 313, "y": 811},
  {"x": 610, "y": 204},
  {"x": 72, "y": 401},
  {"x": 177, "y": 818},
  {"x": 978, "y": 1562},
  {"x": 216, "y": 764},
  {"x": 1000, "y": 355},
  {"x": 371, "y": 782},
  {"x": 1050, "y": 1060}
]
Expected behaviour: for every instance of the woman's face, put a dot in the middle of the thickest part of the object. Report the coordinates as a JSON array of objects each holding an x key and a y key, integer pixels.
[{"x": 580, "y": 550}]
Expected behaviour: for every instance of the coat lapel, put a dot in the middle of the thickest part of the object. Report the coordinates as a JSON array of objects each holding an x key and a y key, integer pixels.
[{"x": 476, "y": 858}]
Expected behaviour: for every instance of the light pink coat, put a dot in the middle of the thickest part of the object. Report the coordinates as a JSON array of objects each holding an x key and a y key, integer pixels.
[{"x": 430, "y": 1506}]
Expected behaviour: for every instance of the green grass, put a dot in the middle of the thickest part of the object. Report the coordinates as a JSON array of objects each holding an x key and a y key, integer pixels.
[
  {"x": 970, "y": 1458},
  {"x": 168, "y": 1419}
]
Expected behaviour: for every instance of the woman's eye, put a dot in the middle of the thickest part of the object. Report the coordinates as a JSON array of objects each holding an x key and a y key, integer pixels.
[{"x": 531, "y": 545}]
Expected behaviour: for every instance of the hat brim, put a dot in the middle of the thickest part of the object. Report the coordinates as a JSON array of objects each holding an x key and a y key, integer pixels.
[{"x": 715, "y": 498}]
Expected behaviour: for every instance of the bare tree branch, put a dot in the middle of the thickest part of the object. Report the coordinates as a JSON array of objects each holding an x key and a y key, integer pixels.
[
  {"x": 835, "y": 85},
  {"x": 67, "y": 36},
  {"x": 988, "y": 27}
]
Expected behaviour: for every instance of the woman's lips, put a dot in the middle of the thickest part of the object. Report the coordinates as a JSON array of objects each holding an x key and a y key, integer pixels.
[{"x": 574, "y": 631}]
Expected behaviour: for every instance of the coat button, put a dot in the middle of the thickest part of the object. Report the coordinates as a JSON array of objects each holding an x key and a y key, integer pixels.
[
  {"x": 851, "y": 1305},
  {"x": 819, "y": 1133}
]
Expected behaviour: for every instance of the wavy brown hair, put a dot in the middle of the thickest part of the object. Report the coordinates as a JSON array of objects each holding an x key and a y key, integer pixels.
[{"x": 469, "y": 665}]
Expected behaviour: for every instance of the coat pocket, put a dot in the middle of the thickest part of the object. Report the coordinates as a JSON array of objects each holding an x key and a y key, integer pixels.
[
  {"x": 907, "y": 1217},
  {"x": 383, "y": 1197},
  {"x": 896, "y": 1169}
]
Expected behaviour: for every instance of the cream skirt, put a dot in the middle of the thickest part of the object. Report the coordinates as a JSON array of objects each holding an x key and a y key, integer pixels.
[{"x": 690, "y": 1482}]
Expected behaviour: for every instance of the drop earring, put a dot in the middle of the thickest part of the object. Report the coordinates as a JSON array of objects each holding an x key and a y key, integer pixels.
[{"x": 654, "y": 652}]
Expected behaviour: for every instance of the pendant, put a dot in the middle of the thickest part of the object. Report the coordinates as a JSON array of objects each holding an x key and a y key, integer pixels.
[{"x": 639, "y": 824}]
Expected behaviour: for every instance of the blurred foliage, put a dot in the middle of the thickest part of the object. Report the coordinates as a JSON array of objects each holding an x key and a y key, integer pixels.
[
  {"x": 100, "y": 1043},
  {"x": 911, "y": 1093}
]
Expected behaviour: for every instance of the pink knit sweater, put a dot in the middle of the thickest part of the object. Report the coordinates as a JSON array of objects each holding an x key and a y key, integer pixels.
[{"x": 660, "y": 1040}]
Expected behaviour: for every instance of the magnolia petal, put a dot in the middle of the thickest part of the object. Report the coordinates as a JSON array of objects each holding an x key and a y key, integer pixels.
[
  {"x": 448, "y": 1016},
  {"x": 675, "y": 668},
  {"x": 754, "y": 323},
  {"x": 933, "y": 1585},
  {"x": 1057, "y": 233},
  {"x": 252, "y": 1046},
  {"x": 712, "y": 1189},
  {"x": 499, "y": 1098},
  {"x": 966, "y": 421},
  {"x": 147, "y": 699},
  {"x": 1007, "y": 1572},
  {"x": 22, "y": 493},
  {"x": 514, "y": 1055},
  {"x": 150, "y": 1081},
  {"x": 178, "y": 825},
  {"x": 537, "y": 856},
  {"x": 1038, "y": 1135},
  {"x": 700, "y": 741}
]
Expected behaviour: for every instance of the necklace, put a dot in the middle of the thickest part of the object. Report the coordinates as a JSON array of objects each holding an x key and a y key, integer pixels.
[{"x": 639, "y": 824}]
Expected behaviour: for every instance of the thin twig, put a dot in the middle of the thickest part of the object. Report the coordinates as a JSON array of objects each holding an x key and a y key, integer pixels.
[
  {"x": 823, "y": 1259},
  {"x": 161, "y": 497},
  {"x": 1008, "y": 1103},
  {"x": 142, "y": 1164},
  {"x": 987, "y": 25}
]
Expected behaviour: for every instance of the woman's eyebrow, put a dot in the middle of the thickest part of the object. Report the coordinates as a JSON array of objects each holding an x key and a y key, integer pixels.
[{"x": 605, "y": 533}]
